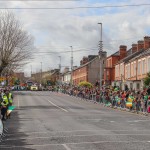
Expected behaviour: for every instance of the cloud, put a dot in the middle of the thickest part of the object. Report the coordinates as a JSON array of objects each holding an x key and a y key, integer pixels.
[{"x": 56, "y": 30}]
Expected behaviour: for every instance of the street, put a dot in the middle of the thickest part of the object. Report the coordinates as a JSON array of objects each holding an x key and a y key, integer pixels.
[{"x": 44, "y": 120}]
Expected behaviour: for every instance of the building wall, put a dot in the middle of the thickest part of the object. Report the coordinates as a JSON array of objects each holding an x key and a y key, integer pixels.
[
  {"x": 135, "y": 70},
  {"x": 79, "y": 75},
  {"x": 143, "y": 67},
  {"x": 67, "y": 78},
  {"x": 19, "y": 75},
  {"x": 89, "y": 73},
  {"x": 93, "y": 71},
  {"x": 120, "y": 71}
]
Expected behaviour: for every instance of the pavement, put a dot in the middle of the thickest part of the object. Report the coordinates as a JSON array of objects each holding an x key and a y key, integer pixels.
[{"x": 44, "y": 120}]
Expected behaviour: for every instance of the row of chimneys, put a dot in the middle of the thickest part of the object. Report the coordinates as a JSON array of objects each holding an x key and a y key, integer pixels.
[
  {"x": 141, "y": 45},
  {"x": 135, "y": 47}
]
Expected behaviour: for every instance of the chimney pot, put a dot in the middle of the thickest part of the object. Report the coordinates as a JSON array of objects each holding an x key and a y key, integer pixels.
[
  {"x": 122, "y": 51},
  {"x": 140, "y": 45},
  {"x": 146, "y": 42},
  {"x": 134, "y": 48}
]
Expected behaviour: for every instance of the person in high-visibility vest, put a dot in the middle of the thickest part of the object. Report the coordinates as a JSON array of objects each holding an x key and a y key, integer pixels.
[
  {"x": 10, "y": 98},
  {"x": 4, "y": 105}
]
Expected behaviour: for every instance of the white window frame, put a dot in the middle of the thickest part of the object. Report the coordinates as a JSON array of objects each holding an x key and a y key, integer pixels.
[{"x": 139, "y": 67}]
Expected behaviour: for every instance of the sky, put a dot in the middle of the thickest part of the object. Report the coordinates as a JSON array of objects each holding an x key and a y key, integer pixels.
[{"x": 55, "y": 27}]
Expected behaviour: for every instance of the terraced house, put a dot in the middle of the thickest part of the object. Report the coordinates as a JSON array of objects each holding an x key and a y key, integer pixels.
[
  {"x": 89, "y": 69},
  {"x": 109, "y": 70},
  {"x": 130, "y": 71}
]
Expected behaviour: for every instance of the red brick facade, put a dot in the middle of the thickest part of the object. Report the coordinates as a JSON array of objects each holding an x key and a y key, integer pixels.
[
  {"x": 109, "y": 71},
  {"x": 79, "y": 75}
]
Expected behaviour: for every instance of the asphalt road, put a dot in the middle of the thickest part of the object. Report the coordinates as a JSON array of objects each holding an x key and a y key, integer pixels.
[{"x": 53, "y": 121}]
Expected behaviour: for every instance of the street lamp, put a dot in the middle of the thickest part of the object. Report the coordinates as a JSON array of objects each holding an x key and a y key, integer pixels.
[
  {"x": 31, "y": 70},
  {"x": 59, "y": 69},
  {"x": 41, "y": 73},
  {"x": 71, "y": 64},
  {"x": 100, "y": 55}
]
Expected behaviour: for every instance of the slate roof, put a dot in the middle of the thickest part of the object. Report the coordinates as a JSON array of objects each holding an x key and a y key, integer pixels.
[
  {"x": 144, "y": 53},
  {"x": 86, "y": 63},
  {"x": 129, "y": 57}
]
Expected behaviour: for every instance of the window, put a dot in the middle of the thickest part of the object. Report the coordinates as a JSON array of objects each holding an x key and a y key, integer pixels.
[
  {"x": 137, "y": 86},
  {"x": 121, "y": 70},
  {"x": 148, "y": 64},
  {"x": 143, "y": 67},
  {"x": 109, "y": 62},
  {"x": 139, "y": 68},
  {"x": 116, "y": 70},
  {"x": 132, "y": 70},
  {"x": 135, "y": 69},
  {"x": 128, "y": 70}
]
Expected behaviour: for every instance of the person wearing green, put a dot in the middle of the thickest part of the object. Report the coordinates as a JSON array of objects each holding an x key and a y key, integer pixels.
[
  {"x": 10, "y": 97},
  {"x": 131, "y": 99},
  {"x": 145, "y": 101},
  {"x": 4, "y": 105}
]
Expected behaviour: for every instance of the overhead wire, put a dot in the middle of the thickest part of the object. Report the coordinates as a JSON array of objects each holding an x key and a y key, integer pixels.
[{"x": 80, "y": 7}]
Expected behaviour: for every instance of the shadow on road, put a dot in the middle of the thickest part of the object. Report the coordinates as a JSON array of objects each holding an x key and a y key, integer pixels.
[{"x": 14, "y": 139}]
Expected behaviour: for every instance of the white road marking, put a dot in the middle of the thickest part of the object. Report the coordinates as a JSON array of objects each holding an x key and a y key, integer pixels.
[
  {"x": 112, "y": 121},
  {"x": 57, "y": 106},
  {"x": 91, "y": 119},
  {"x": 67, "y": 148},
  {"x": 138, "y": 120}
]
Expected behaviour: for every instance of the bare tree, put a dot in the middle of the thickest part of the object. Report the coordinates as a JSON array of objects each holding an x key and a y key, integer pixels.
[{"x": 16, "y": 45}]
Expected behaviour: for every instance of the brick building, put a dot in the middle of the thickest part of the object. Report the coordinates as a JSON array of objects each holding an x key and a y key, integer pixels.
[
  {"x": 89, "y": 70},
  {"x": 109, "y": 70},
  {"x": 130, "y": 71}
]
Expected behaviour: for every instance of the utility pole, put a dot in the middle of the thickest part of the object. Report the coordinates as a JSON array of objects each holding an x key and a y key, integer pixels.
[
  {"x": 59, "y": 69},
  {"x": 31, "y": 70},
  {"x": 71, "y": 63},
  {"x": 100, "y": 55},
  {"x": 41, "y": 73}
]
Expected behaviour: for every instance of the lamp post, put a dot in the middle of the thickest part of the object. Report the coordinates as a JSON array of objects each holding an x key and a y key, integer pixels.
[
  {"x": 100, "y": 55},
  {"x": 41, "y": 73},
  {"x": 59, "y": 69},
  {"x": 71, "y": 64},
  {"x": 31, "y": 70}
]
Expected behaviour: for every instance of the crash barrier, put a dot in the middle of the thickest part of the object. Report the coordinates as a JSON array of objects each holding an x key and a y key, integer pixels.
[{"x": 114, "y": 102}]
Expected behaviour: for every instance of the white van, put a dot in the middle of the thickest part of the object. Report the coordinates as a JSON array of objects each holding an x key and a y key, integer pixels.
[{"x": 34, "y": 88}]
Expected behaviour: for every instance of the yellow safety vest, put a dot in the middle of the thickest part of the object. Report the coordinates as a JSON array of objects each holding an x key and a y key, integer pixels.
[
  {"x": 10, "y": 98},
  {"x": 5, "y": 100}
]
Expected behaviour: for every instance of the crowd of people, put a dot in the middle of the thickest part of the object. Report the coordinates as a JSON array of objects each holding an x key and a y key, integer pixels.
[
  {"x": 138, "y": 101},
  {"x": 6, "y": 100}
]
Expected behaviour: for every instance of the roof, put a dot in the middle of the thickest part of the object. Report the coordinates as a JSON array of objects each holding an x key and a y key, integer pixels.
[
  {"x": 86, "y": 63},
  {"x": 129, "y": 57},
  {"x": 144, "y": 53},
  {"x": 114, "y": 54},
  {"x": 66, "y": 73}
]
